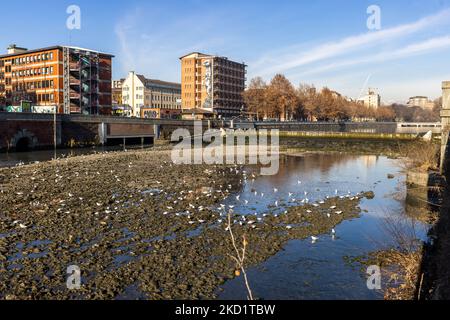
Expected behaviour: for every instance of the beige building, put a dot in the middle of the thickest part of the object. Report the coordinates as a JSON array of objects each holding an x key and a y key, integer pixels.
[
  {"x": 421, "y": 101},
  {"x": 371, "y": 100},
  {"x": 212, "y": 83},
  {"x": 139, "y": 93}
]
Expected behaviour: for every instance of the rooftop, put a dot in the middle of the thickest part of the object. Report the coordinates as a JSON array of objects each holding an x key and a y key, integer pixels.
[
  {"x": 53, "y": 48},
  {"x": 157, "y": 83},
  {"x": 203, "y": 55}
]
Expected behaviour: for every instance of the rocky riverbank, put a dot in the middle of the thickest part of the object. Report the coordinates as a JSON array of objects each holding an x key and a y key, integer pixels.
[{"x": 137, "y": 226}]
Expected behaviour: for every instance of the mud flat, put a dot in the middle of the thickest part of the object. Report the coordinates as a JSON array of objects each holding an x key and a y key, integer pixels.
[{"x": 137, "y": 226}]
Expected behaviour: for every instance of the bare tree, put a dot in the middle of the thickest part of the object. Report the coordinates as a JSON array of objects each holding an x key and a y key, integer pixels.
[{"x": 239, "y": 258}]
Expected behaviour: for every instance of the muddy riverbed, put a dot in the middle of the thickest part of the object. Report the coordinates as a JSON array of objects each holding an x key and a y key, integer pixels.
[{"x": 139, "y": 227}]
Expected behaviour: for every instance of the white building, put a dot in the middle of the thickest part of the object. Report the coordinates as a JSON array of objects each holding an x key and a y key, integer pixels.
[
  {"x": 141, "y": 93},
  {"x": 371, "y": 100},
  {"x": 421, "y": 101}
]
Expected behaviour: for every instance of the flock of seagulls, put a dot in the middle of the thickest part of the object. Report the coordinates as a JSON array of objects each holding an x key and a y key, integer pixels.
[{"x": 253, "y": 219}]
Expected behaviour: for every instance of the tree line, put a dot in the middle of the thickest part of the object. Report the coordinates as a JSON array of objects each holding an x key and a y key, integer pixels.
[{"x": 280, "y": 100}]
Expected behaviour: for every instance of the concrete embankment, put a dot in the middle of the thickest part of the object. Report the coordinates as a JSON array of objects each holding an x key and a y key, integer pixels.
[{"x": 436, "y": 257}]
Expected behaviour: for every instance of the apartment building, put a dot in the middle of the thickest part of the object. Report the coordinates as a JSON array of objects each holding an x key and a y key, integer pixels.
[
  {"x": 68, "y": 79},
  {"x": 371, "y": 100},
  {"x": 422, "y": 102},
  {"x": 138, "y": 92},
  {"x": 212, "y": 83}
]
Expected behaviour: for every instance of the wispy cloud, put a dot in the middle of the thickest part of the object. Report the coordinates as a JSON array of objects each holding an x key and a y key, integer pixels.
[
  {"x": 347, "y": 45},
  {"x": 408, "y": 51},
  {"x": 152, "y": 45}
]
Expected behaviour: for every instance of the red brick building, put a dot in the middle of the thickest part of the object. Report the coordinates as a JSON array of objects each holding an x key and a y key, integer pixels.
[{"x": 74, "y": 80}]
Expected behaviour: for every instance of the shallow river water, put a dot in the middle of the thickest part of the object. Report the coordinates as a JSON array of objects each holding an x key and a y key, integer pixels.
[{"x": 306, "y": 270}]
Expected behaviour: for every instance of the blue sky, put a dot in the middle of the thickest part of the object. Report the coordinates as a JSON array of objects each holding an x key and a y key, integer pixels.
[{"x": 321, "y": 42}]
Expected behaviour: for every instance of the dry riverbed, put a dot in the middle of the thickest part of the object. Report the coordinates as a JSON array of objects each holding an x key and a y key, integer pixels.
[{"x": 137, "y": 226}]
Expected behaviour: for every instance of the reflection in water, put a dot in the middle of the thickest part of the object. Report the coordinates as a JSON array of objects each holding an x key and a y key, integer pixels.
[{"x": 319, "y": 271}]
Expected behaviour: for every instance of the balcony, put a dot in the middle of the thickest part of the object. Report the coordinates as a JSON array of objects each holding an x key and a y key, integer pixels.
[
  {"x": 74, "y": 66},
  {"x": 74, "y": 81},
  {"x": 75, "y": 108},
  {"x": 74, "y": 95}
]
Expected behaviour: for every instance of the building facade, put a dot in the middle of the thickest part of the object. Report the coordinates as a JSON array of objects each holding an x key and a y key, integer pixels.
[
  {"x": 66, "y": 79},
  {"x": 212, "y": 83},
  {"x": 422, "y": 102},
  {"x": 116, "y": 92},
  {"x": 139, "y": 93},
  {"x": 371, "y": 100}
]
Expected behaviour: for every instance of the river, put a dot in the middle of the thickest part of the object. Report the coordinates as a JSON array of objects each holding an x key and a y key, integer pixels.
[
  {"x": 303, "y": 269},
  {"x": 306, "y": 270}
]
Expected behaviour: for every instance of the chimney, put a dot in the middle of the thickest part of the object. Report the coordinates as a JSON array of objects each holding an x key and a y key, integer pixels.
[{"x": 13, "y": 49}]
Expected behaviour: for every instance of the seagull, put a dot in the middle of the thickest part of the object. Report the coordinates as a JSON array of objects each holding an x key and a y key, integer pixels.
[
  {"x": 237, "y": 198},
  {"x": 314, "y": 239},
  {"x": 290, "y": 194},
  {"x": 338, "y": 212},
  {"x": 289, "y": 227},
  {"x": 275, "y": 190},
  {"x": 299, "y": 182},
  {"x": 333, "y": 207},
  {"x": 276, "y": 203},
  {"x": 333, "y": 231},
  {"x": 246, "y": 201},
  {"x": 328, "y": 215}
]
